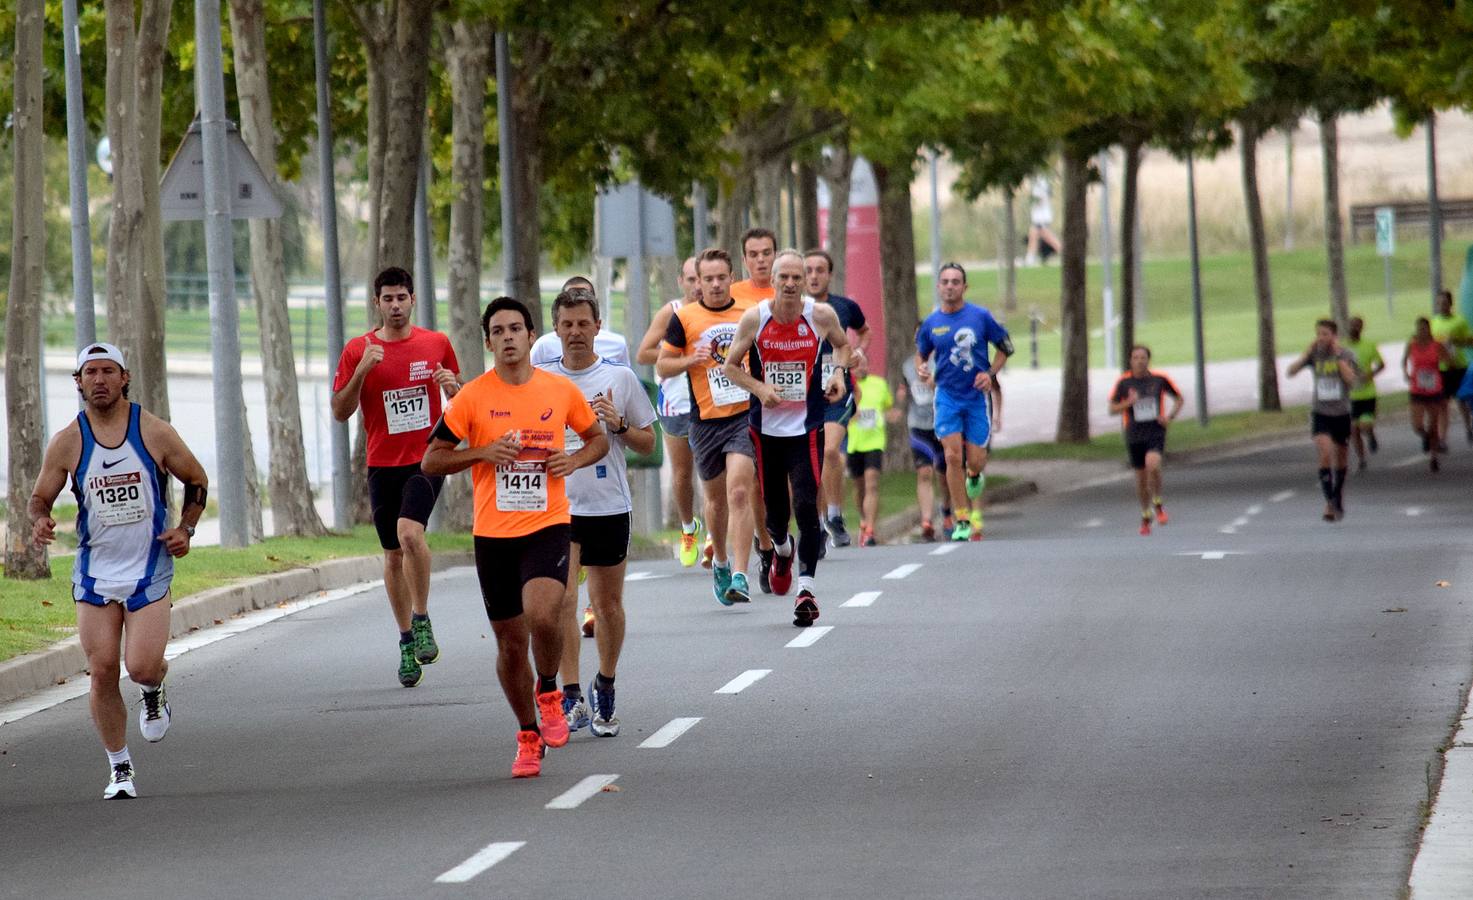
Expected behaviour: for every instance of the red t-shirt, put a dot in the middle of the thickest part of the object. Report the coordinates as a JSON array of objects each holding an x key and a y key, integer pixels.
[{"x": 400, "y": 401}]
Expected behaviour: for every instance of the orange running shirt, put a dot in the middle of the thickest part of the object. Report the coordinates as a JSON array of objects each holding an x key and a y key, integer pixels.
[
  {"x": 520, "y": 498},
  {"x": 712, "y": 394},
  {"x": 748, "y": 295}
]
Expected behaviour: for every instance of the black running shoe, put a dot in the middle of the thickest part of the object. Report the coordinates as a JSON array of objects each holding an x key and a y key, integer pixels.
[
  {"x": 836, "y": 530},
  {"x": 1372, "y": 443},
  {"x": 764, "y": 567},
  {"x": 805, "y": 609}
]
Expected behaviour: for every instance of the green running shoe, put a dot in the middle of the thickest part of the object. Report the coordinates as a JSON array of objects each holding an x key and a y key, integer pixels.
[
  {"x": 690, "y": 544},
  {"x": 962, "y": 531},
  {"x": 426, "y": 651},
  {"x": 409, "y": 669},
  {"x": 722, "y": 575},
  {"x": 738, "y": 592},
  {"x": 974, "y": 486}
]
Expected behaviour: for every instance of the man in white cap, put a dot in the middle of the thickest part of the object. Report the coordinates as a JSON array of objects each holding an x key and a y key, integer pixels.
[{"x": 119, "y": 459}]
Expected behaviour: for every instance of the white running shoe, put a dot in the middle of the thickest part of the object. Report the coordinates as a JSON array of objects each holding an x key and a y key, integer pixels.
[
  {"x": 121, "y": 784},
  {"x": 153, "y": 718},
  {"x": 576, "y": 712},
  {"x": 605, "y": 722}
]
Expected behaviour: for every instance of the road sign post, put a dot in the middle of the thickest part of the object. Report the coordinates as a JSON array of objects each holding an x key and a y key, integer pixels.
[{"x": 1386, "y": 248}]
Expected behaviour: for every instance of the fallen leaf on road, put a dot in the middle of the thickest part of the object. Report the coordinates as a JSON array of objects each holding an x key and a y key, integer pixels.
[
  {"x": 281, "y": 605},
  {"x": 45, "y": 602},
  {"x": 219, "y": 621},
  {"x": 1395, "y": 609},
  {"x": 1444, "y": 584},
  {"x": 612, "y": 789}
]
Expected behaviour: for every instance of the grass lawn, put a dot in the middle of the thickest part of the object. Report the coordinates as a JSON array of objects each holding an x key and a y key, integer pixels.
[{"x": 37, "y": 613}]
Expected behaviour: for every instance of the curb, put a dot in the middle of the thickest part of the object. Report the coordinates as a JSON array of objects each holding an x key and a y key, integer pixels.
[
  {"x": 64, "y": 659},
  {"x": 896, "y": 528}
]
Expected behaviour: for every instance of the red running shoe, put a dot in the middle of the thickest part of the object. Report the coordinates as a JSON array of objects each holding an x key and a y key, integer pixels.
[
  {"x": 806, "y": 609},
  {"x": 780, "y": 579},
  {"x": 528, "y": 763},
  {"x": 553, "y": 723},
  {"x": 1145, "y": 526},
  {"x": 1161, "y": 518}
]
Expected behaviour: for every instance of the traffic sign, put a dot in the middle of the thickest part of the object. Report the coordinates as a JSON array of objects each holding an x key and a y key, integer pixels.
[
  {"x": 1385, "y": 231},
  {"x": 182, "y": 191},
  {"x": 627, "y": 210}
]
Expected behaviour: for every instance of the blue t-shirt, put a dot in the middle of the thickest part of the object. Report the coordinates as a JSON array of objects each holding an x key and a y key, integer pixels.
[{"x": 960, "y": 341}]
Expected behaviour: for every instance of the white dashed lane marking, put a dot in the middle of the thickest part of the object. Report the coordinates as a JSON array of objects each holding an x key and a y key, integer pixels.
[
  {"x": 944, "y": 549},
  {"x": 484, "y": 859},
  {"x": 1414, "y": 510},
  {"x": 667, "y": 735},
  {"x": 901, "y": 571},
  {"x": 574, "y": 796},
  {"x": 1281, "y": 496},
  {"x": 810, "y": 636},
  {"x": 863, "y": 598},
  {"x": 743, "y": 681}
]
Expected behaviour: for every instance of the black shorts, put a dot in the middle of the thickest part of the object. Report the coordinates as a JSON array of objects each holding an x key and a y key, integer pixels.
[
  {"x": 1337, "y": 427},
  {"x": 1427, "y": 399},
  {"x": 926, "y": 450},
  {"x": 1452, "y": 379},
  {"x": 1363, "y": 409},
  {"x": 505, "y": 565},
  {"x": 400, "y": 492},
  {"x": 601, "y": 540},
  {"x": 864, "y": 460},
  {"x": 1139, "y": 447},
  {"x": 711, "y": 441}
]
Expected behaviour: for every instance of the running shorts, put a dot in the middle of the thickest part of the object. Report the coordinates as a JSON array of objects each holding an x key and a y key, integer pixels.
[
  {"x": 1452, "y": 379},
  {"x": 1337, "y": 427},
  {"x": 1363, "y": 410},
  {"x": 841, "y": 412},
  {"x": 1139, "y": 449},
  {"x": 601, "y": 540},
  {"x": 676, "y": 426},
  {"x": 865, "y": 460},
  {"x": 400, "y": 492},
  {"x": 505, "y": 565},
  {"x": 152, "y": 592},
  {"x": 926, "y": 450},
  {"x": 968, "y": 416},
  {"x": 711, "y": 441}
]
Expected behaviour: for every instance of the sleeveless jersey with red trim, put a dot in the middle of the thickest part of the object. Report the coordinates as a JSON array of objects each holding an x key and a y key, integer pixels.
[{"x": 786, "y": 357}]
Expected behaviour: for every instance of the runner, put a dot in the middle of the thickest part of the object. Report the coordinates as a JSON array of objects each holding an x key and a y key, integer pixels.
[
  {"x": 818, "y": 270},
  {"x": 1363, "y": 396},
  {"x": 782, "y": 339},
  {"x": 696, "y": 346},
  {"x": 1138, "y": 399},
  {"x": 674, "y": 412},
  {"x": 1334, "y": 374},
  {"x": 609, "y": 345},
  {"x": 759, "y": 247},
  {"x": 598, "y": 498},
  {"x": 1452, "y": 331},
  {"x": 866, "y": 458},
  {"x": 1423, "y": 364},
  {"x": 958, "y": 333},
  {"x": 394, "y": 376},
  {"x": 918, "y": 396},
  {"x": 513, "y": 421},
  {"x": 119, "y": 459}
]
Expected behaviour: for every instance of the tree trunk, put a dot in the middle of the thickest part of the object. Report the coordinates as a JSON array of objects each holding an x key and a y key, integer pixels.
[
  {"x": 1073, "y": 427},
  {"x": 292, "y": 509},
  {"x": 1334, "y": 238},
  {"x": 468, "y": 61},
  {"x": 404, "y": 127},
  {"x": 1268, "y": 376},
  {"x": 526, "y": 281},
  {"x": 1129, "y": 213},
  {"x": 807, "y": 207},
  {"x": 23, "y": 389},
  {"x": 734, "y": 193},
  {"x": 151, "y": 376},
  {"x": 897, "y": 286},
  {"x": 771, "y": 179},
  {"x": 1009, "y": 255},
  {"x": 125, "y": 225},
  {"x": 837, "y": 172}
]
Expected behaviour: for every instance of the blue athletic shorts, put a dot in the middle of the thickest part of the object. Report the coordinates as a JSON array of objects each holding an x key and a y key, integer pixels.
[
  {"x": 967, "y": 416},
  {"x": 839, "y": 413}
]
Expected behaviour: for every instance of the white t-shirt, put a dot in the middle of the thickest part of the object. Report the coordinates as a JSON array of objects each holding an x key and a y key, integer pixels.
[
  {"x": 607, "y": 344},
  {"x": 602, "y": 489}
]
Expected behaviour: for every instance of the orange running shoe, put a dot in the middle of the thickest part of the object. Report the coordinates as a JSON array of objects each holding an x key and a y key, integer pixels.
[
  {"x": 528, "y": 763},
  {"x": 708, "y": 553},
  {"x": 588, "y": 621},
  {"x": 1161, "y": 518},
  {"x": 1145, "y": 526},
  {"x": 554, "y": 724}
]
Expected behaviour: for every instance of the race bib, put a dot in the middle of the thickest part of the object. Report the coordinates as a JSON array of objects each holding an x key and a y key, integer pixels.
[
  {"x": 521, "y": 487},
  {"x": 1146, "y": 409},
  {"x": 1428, "y": 381},
  {"x": 789, "y": 379},
  {"x": 407, "y": 409},
  {"x": 866, "y": 418},
  {"x": 572, "y": 441},
  {"x": 117, "y": 499},
  {"x": 828, "y": 368},
  {"x": 723, "y": 392},
  {"x": 1329, "y": 388}
]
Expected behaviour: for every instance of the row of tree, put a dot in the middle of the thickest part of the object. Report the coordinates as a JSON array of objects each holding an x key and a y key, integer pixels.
[{"x": 729, "y": 96}]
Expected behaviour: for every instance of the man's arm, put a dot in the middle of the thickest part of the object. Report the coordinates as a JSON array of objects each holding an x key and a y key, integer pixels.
[
  {"x": 649, "y": 347},
  {"x": 345, "y": 401},
  {"x": 741, "y": 345},
  {"x": 49, "y": 482},
  {"x": 179, "y": 461},
  {"x": 832, "y": 331},
  {"x": 1300, "y": 363}
]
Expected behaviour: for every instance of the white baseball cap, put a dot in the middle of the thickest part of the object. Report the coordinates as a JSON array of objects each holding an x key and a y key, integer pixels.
[{"x": 100, "y": 350}]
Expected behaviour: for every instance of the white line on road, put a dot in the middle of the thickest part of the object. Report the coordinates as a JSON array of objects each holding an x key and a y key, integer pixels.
[
  {"x": 1240, "y": 521},
  {"x": 1228, "y": 529},
  {"x": 810, "y": 636},
  {"x": 1414, "y": 510},
  {"x": 1409, "y": 461},
  {"x": 484, "y": 859},
  {"x": 944, "y": 549},
  {"x": 1092, "y": 523},
  {"x": 1210, "y": 554},
  {"x": 863, "y": 598},
  {"x": 643, "y": 576},
  {"x": 1281, "y": 496},
  {"x": 1215, "y": 554},
  {"x": 743, "y": 681},
  {"x": 1255, "y": 509},
  {"x": 667, "y": 735},
  {"x": 574, "y": 796},
  {"x": 901, "y": 571}
]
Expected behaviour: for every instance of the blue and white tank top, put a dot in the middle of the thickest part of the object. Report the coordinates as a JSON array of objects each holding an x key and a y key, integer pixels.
[
  {"x": 120, "y": 514},
  {"x": 674, "y": 396}
]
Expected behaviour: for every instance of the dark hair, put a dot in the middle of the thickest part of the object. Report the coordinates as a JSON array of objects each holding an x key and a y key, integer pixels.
[
  {"x": 578, "y": 279},
  {"x": 816, "y": 251},
  {"x": 1328, "y": 323},
  {"x": 952, "y": 265},
  {"x": 714, "y": 254},
  {"x": 1142, "y": 347},
  {"x": 758, "y": 233},
  {"x": 574, "y": 297},
  {"x": 501, "y": 304},
  {"x": 393, "y": 276}
]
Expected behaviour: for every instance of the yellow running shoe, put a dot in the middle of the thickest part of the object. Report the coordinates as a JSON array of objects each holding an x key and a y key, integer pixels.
[{"x": 690, "y": 545}]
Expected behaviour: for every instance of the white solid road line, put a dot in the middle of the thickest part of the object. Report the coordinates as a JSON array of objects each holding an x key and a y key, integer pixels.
[
  {"x": 743, "y": 681},
  {"x": 901, "y": 571},
  {"x": 863, "y": 598},
  {"x": 643, "y": 576},
  {"x": 944, "y": 549},
  {"x": 1414, "y": 510},
  {"x": 484, "y": 859},
  {"x": 667, "y": 734},
  {"x": 1281, "y": 496},
  {"x": 1409, "y": 461},
  {"x": 810, "y": 636},
  {"x": 574, "y": 796},
  {"x": 1092, "y": 523},
  {"x": 1214, "y": 554},
  {"x": 1228, "y": 529},
  {"x": 1210, "y": 554}
]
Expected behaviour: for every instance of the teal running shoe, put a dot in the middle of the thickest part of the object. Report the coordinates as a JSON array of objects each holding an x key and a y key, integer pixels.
[
  {"x": 738, "y": 592},
  {"x": 722, "y": 575}
]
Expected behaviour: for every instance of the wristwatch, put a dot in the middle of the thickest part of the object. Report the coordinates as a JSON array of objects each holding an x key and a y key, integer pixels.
[
  {"x": 188, "y": 529},
  {"x": 623, "y": 426}
]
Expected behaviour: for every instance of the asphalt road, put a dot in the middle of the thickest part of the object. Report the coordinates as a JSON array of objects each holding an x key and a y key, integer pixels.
[{"x": 1065, "y": 710}]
